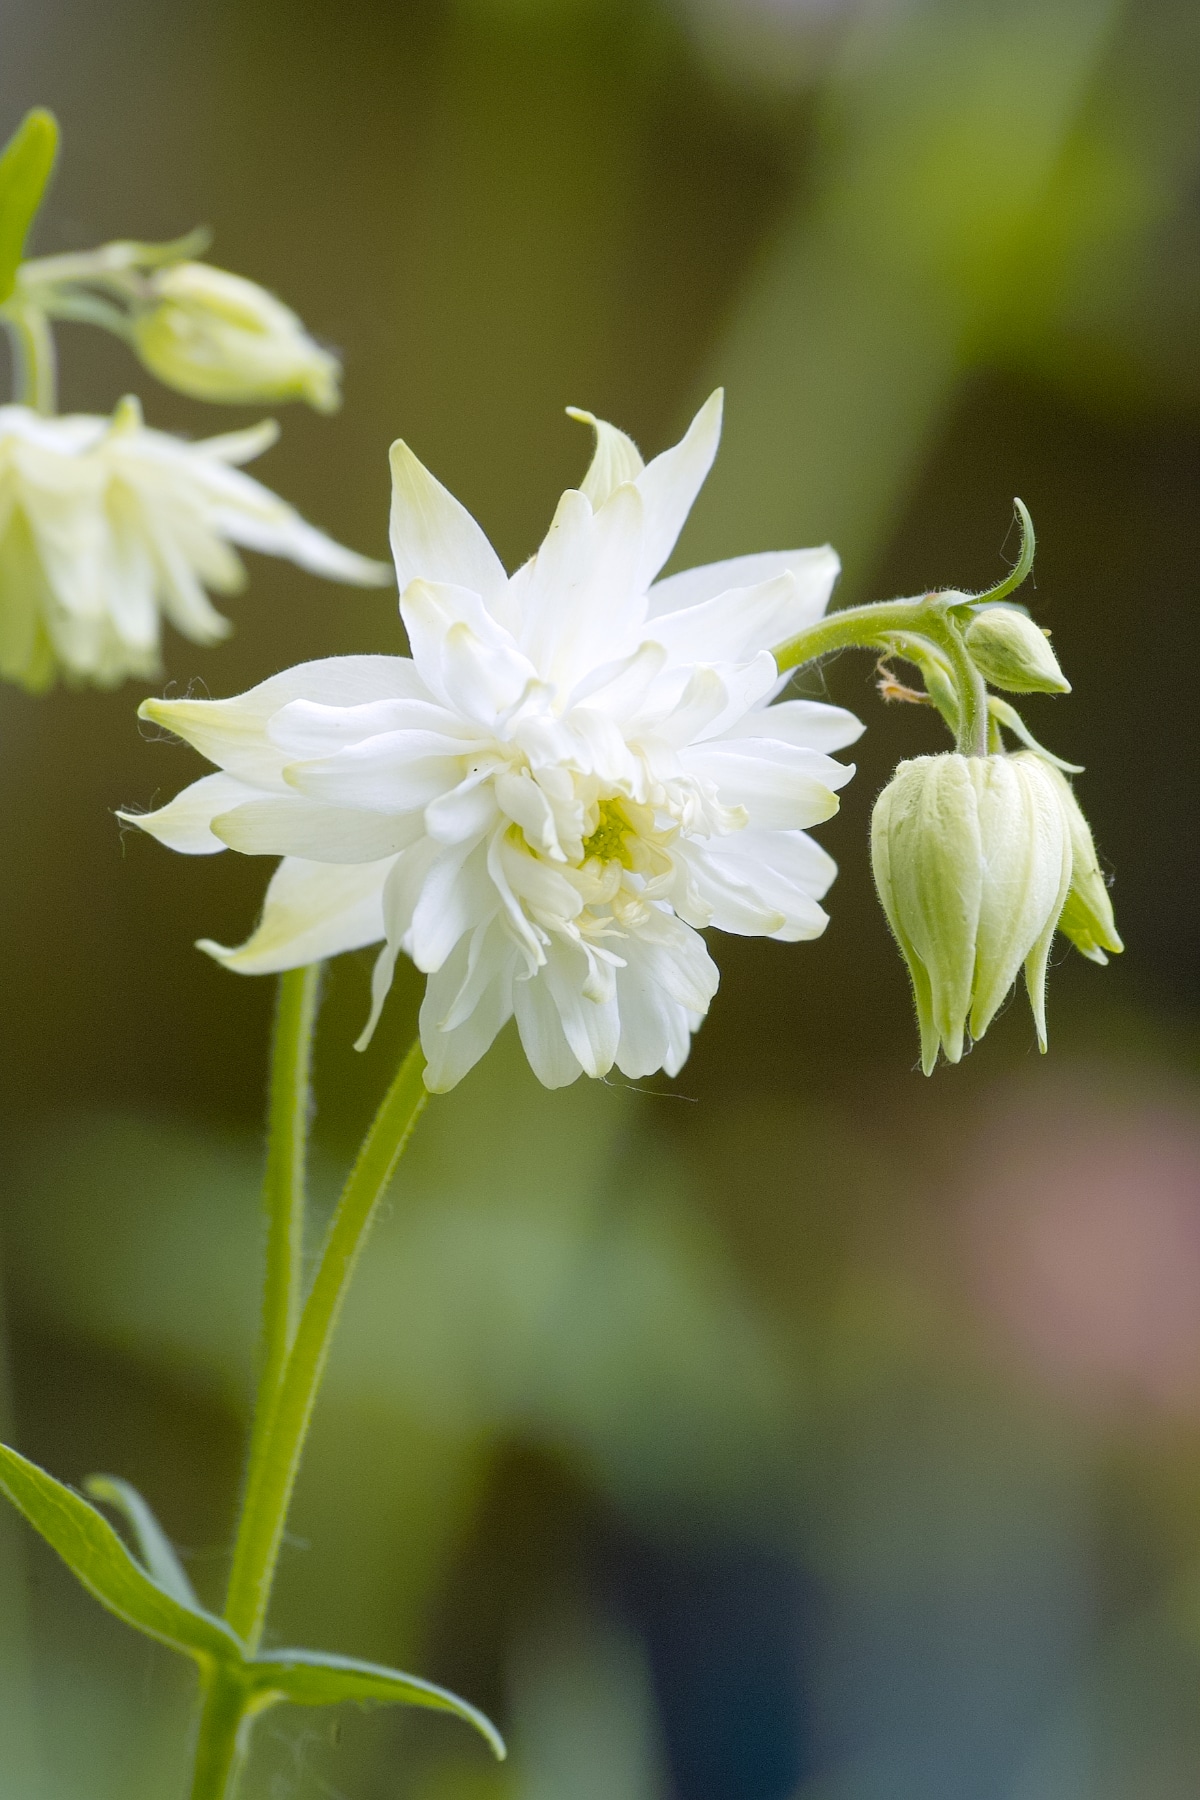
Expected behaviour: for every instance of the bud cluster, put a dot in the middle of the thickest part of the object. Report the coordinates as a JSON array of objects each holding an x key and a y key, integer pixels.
[{"x": 980, "y": 858}]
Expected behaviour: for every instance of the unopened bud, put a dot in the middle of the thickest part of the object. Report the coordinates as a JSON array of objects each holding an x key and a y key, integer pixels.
[
  {"x": 1009, "y": 651},
  {"x": 1087, "y": 917},
  {"x": 217, "y": 336},
  {"x": 972, "y": 860}
]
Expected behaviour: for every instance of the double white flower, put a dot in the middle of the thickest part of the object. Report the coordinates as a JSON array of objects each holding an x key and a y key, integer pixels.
[
  {"x": 573, "y": 773},
  {"x": 106, "y": 527}
]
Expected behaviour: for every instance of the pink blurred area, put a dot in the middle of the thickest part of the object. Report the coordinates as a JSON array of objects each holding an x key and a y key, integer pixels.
[{"x": 1082, "y": 1232}]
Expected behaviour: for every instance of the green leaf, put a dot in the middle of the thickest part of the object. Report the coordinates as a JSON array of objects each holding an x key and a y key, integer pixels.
[
  {"x": 157, "y": 1551},
  {"x": 24, "y": 171},
  {"x": 91, "y": 1548},
  {"x": 311, "y": 1678}
]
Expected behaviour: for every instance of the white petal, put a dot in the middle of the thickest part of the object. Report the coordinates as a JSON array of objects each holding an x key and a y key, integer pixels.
[
  {"x": 670, "y": 483},
  {"x": 394, "y": 772},
  {"x": 291, "y": 826},
  {"x": 810, "y": 724},
  {"x": 762, "y": 883},
  {"x": 616, "y": 460},
  {"x": 580, "y": 599},
  {"x": 474, "y": 989},
  {"x": 185, "y": 822},
  {"x": 542, "y": 1037},
  {"x": 312, "y": 911},
  {"x": 734, "y": 626},
  {"x": 434, "y": 537},
  {"x": 456, "y": 896},
  {"x": 232, "y": 733},
  {"x": 468, "y": 660},
  {"x": 781, "y": 787},
  {"x": 815, "y": 572},
  {"x": 305, "y": 729}
]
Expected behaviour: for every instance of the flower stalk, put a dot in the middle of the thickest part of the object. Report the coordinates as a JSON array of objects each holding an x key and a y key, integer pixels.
[{"x": 275, "y": 1459}]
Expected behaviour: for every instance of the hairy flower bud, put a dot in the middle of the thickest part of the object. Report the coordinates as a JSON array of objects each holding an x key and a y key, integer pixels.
[
  {"x": 1087, "y": 917},
  {"x": 1011, "y": 652},
  {"x": 217, "y": 336},
  {"x": 972, "y": 860}
]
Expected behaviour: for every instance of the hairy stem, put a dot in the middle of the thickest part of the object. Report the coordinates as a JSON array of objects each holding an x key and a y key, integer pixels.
[
  {"x": 222, "y": 1737},
  {"x": 900, "y": 626},
  {"x": 284, "y": 1183},
  {"x": 272, "y": 1475}
]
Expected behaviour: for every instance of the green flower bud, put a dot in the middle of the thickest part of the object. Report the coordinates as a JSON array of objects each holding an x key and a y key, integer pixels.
[
  {"x": 1087, "y": 917},
  {"x": 1009, "y": 651},
  {"x": 217, "y": 336},
  {"x": 972, "y": 860}
]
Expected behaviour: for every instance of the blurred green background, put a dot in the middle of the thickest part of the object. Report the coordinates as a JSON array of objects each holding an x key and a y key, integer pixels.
[{"x": 800, "y": 1429}]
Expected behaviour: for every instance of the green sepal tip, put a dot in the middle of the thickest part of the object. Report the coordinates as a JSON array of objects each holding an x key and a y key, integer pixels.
[{"x": 25, "y": 167}]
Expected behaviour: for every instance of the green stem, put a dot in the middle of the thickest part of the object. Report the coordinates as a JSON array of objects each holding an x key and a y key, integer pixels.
[
  {"x": 884, "y": 627},
  {"x": 35, "y": 369},
  {"x": 222, "y": 1737},
  {"x": 284, "y": 1182},
  {"x": 272, "y": 1473}
]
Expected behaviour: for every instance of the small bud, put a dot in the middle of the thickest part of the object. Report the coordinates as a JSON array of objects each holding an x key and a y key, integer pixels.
[
  {"x": 1009, "y": 651},
  {"x": 972, "y": 860},
  {"x": 217, "y": 336},
  {"x": 1087, "y": 917}
]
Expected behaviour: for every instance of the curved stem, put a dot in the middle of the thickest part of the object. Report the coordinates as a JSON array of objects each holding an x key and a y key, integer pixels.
[
  {"x": 35, "y": 368},
  {"x": 884, "y": 627},
  {"x": 272, "y": 1476},
  {"x": 972, "y": 694},
  {"x": 859, "y": 627}
]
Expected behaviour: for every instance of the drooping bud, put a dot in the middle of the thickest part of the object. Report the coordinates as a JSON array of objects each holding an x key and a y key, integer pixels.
[
  {"x": 972, "y": 860},
  {"x": 1087, "y": 917},
  {"x": 217, "y": 336},
  {"x": 1009, "y": 651}
]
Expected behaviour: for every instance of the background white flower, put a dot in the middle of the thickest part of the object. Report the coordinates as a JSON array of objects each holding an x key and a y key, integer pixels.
[
  {"x": 107, "y": 526},
  {"x": 573, "y": 774}
]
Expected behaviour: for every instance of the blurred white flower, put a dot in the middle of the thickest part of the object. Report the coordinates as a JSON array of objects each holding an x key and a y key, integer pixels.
[
  {"x": 218, "y": 336},
  {"x": 574, "y": 772},
  {"x": 107, "y": 526}
]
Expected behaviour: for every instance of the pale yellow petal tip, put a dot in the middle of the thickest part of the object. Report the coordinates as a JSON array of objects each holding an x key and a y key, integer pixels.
[{"x": 221, "y": 953}]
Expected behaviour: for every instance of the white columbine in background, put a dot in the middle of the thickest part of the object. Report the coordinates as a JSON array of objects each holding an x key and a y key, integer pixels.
[
  {"x": 107, "y": 527},
  {"x": 573, "y": 774}
]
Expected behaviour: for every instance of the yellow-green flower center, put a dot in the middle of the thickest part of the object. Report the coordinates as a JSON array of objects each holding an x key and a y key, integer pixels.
[{"x": 610, "y": 840}]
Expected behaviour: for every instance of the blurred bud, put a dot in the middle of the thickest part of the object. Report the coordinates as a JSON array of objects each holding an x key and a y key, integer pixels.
[
  {"x": 217, "y": 336},
  {"x": 1011, "y": 652},
  {"x": 972, "y": 860},
  {"x": 1087, "y": 917}
]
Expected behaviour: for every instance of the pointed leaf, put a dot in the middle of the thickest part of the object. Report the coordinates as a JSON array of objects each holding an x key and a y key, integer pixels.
[
  {"x": 91, "y": 1548},
  {"x": 158, "y": 1553},
  {"x": 312, "y": 1678},
  {"x": 24, "y": 171}
]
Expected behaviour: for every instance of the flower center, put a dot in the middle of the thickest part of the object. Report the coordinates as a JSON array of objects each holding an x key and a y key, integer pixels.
[{"x": 610, "y": 840}]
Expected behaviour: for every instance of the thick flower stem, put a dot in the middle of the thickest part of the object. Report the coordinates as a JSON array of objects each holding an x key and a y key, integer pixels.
[
  {"x": 884, "y": 626},
  {"x": 222, "y": 1737},
  {"x": 272, "y": 1474},
  {"x": 284, "y": 1184}
]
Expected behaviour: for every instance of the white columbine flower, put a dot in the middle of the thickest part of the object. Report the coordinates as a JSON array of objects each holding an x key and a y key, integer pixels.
[
  {"x": 573, "y": 774},
  {"x": 106, "y": 527}
]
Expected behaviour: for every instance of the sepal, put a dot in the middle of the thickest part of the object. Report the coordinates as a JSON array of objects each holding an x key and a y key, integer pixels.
[{"x": 25, "y": 168}]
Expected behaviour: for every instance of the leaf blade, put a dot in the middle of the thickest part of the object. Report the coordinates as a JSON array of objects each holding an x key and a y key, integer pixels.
[
  {"x": 315, "y": 1678},
  {"x": 158, "y": 1553},
  {"x": 97, "y": 1557},
  {"x": 25, "y": 167}
]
